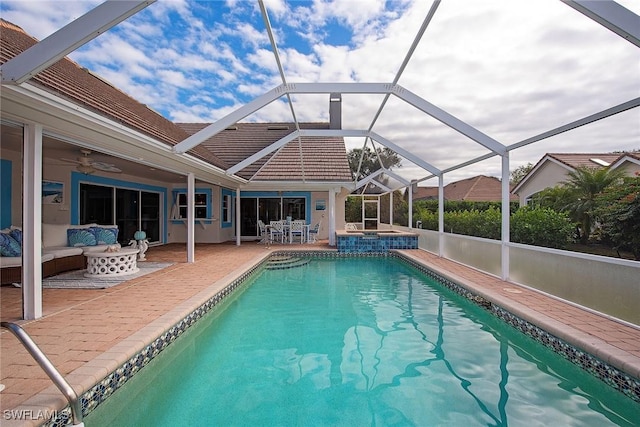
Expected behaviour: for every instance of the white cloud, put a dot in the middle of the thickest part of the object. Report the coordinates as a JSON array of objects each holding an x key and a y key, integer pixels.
[{"x": 510, "y": 68}]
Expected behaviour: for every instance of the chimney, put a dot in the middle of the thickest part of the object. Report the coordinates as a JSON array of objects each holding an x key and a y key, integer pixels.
[{"x": 335, "y": 111}]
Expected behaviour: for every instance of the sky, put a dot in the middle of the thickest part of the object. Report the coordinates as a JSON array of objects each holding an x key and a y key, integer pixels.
[{"x": 511, "y": 69}]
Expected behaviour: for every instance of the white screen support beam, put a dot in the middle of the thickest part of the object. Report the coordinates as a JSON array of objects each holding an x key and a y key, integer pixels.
[
  {"x": 260, "y": 154},
  {"x": 449, "y": 120},
  {"x": 610, "y": 15},
  {"x": 230, "y": 119},
  {"x": 67, "y": 39},
  {"x": 352, "y": 88}
]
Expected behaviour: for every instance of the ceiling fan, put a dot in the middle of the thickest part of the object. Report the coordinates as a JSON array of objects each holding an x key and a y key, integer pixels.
[{"x": 88, "y": 166}]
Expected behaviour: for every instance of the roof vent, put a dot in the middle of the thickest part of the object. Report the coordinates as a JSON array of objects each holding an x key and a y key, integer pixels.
[
  {"x": 600, "y": 162},
  {"x": 278, "y": 127},
  {"x": 232, "y": 128}
]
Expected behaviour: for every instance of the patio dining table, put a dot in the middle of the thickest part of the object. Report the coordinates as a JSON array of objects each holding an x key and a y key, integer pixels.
[{"x": 286, "y": 230}]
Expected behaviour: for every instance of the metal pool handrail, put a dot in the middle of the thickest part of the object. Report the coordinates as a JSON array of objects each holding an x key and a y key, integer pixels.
[{"x": 49, "y": 369}]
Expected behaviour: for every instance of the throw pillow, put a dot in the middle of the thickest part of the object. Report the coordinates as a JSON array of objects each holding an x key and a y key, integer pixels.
[
  {"x": 105, "y": 236},
  {"x": 80, "y": 237},
  {"x": 9, "y": 246}
]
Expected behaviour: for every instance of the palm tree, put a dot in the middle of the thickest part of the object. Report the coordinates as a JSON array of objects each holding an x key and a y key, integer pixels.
[{"x": 584, "y": 185}]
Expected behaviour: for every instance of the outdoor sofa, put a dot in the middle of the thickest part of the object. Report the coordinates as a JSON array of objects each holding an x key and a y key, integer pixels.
[{"x": 63, "y": 248}]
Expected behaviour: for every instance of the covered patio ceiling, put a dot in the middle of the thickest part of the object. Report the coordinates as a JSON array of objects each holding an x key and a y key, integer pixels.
[{"x": 607, "y": 13}]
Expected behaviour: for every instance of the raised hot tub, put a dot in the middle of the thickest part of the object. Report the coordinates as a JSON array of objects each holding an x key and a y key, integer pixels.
[{"x": 379, "y": 241}]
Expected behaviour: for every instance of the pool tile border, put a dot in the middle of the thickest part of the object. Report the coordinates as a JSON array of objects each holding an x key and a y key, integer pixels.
[
  {"x": 107, "y": 386},
  {"x": 610, "y": 375}
]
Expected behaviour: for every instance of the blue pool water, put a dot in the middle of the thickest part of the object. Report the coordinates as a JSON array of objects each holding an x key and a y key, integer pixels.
[{"x": 358, "y": 342}]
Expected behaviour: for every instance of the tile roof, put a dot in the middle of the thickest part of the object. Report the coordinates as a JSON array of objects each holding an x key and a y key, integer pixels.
[
  {"x": 479, "y": 188},
  {"x": 575, "y": 160},
  {"x": 315, "y": 159},
  {"x": 67, "y": 79}
]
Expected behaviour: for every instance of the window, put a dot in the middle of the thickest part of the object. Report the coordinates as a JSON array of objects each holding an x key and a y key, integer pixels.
[
  {"x": 202, "y": 204},
  {"x": 226, "y": 208}
]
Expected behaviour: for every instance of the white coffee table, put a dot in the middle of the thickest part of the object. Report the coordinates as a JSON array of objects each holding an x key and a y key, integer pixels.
[{"x": 101, "y": 265}]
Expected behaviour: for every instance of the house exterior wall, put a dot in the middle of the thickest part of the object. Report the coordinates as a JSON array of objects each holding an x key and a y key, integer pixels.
[
  {"x": 548, "y": 175},
  {"x": 630, "y": 169}
]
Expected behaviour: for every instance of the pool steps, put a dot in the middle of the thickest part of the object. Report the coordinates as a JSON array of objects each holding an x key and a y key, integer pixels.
[{"x": 281, "y": 262}]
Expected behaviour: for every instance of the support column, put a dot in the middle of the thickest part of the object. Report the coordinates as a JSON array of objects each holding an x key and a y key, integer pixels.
[
  {"x": 441, "y": 215},
  {"x": 238, "y": 216},
  {"x": 332, "y": 217},
  {"x": 411, "y": 205},
  {"x": 191, "y": 217},
  {"x": 32, "y": 222},
  {"x": 391, "y": 209},
  {"x": 506, "y": 219}
]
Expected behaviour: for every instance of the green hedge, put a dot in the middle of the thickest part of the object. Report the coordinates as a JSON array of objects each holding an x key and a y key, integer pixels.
[{"x": 531, "y": 226}]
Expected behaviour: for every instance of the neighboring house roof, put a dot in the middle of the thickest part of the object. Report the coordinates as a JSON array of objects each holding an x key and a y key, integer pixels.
[
  {"x": 79, "y": 85},
  {"x": 479, "y": 188},
  {"x": 572, "y": 161},
  {"x": 315, "y": 159},
  {"x": 627, "y": 158}
]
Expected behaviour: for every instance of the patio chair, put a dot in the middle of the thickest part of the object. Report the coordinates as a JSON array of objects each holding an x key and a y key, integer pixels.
[
  {"x": 350, "y": 226},
  {"x": 264, "y": 233},
  {"x": 298, "y": 229},
  {"x": 313, "y": 233},
  {"x": 276, "y": 231}
]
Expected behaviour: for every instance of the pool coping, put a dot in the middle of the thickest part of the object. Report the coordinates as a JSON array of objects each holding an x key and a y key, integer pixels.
[{"x": 99, "y": 378}]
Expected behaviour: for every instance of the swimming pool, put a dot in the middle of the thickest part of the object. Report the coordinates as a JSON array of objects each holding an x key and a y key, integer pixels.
[{"x": 358, "y": 341}]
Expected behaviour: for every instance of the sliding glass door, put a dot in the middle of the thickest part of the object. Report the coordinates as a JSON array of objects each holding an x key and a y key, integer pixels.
[
  {"x": 130, "y": 210},
  {"x": 269, "y": 208}
]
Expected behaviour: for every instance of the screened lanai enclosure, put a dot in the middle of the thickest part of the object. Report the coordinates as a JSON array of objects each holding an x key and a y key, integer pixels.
[{"x": 453, "y": 89}]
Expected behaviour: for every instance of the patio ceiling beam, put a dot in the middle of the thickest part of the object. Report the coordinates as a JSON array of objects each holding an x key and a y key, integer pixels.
[
  {"x": 449, "y": 120},
  {"x": 610, "y": 15},
  {"x": 67, "y": 39},
  {"x": 230, "y": 119}
]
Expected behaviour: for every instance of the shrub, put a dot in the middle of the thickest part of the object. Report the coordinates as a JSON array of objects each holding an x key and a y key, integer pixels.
[{"x": 541, "y": 227}]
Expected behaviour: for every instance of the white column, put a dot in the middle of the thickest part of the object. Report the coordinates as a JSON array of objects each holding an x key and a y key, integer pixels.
[
  {"x": 391, "y": 209},
  {"x": 191, "y": 217},
  {"x": 32, "y": 222},
  {"x": 411, "y": 205},
  {"x": 238, "y": 230},
  {"x": 441, "y": 215},
  {"x": 506, "y": 220},
  {"x": 332, "y": 217}
]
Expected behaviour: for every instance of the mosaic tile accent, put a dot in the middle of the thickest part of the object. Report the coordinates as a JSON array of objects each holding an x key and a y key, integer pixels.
[
  {"x": 610, "y": 375},
  {"x": 375, "y": 243}
]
